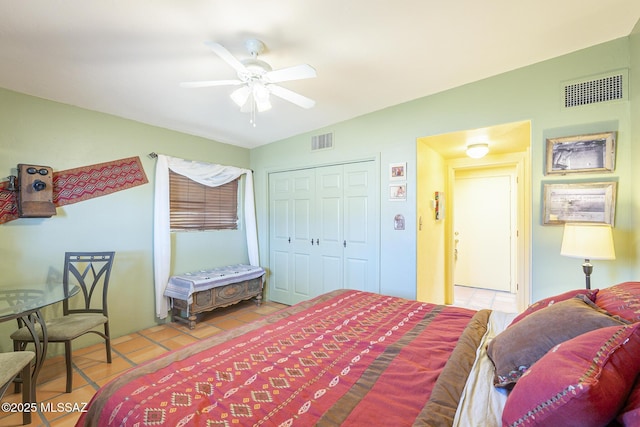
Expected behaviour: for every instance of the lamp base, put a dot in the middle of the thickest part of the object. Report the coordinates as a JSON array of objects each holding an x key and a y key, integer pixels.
[{"x": 588, "y": 269}]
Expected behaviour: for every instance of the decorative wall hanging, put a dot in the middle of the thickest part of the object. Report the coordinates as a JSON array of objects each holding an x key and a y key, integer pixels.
[
  {"x": 8, "y": 203},
  {"x": 75, "y": 185},
  {"x": 84, "y": 183},
  {"x": 583, "y": 153}
]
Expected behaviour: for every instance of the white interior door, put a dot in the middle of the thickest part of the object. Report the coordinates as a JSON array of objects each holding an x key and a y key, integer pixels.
[{"x": 485, "y": 230}]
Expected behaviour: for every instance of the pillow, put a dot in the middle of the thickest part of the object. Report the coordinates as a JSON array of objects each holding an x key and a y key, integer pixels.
[
  {"x": 515, "y": 349},
  {"x": 629, "y": 416},
  {"x": 622, "y": 299},
  {"x": 581, "y": 382},
  {"x": 543, "y": 303}
]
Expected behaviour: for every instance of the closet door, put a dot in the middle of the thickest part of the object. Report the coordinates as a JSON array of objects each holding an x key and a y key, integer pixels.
[
  {"x": 323, "y": 231},
  {"x": 329, "y": 230},
  {"x": 361, "y": 227},
  {"x": 290, "y": 222}
]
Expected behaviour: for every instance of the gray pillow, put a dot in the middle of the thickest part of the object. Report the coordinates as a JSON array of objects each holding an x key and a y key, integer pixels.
[{"x": 514, "y": 350}]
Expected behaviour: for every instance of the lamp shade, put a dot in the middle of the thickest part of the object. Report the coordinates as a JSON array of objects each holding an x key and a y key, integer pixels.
[{"x": 588, "y": 241}]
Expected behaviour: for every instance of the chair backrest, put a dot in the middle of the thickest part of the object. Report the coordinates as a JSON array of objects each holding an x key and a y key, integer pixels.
[{"x": 90, "y": 271}]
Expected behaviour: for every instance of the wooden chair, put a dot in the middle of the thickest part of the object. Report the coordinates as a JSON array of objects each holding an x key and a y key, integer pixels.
[
  {"x": 12, "y": 364},
  {"x": 90, "y": 271}
]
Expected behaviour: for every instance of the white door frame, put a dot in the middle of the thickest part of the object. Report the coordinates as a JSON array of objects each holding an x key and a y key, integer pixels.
[{"x": 523, "y": 256}]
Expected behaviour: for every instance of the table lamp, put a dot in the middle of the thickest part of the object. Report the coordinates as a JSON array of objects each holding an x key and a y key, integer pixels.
[{"x": 588, "y": 241}]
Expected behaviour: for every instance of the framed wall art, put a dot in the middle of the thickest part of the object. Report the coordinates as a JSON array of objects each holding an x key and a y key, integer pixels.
[
  {"x": 398, "y": 192},
  {"x": 583, "y": 153},
  {"x": 580, "y": 202},
  {"x": 397, "y": 171}
]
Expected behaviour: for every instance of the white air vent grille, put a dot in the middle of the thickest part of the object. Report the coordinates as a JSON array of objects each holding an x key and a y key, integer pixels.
[
  {"x": 322, "y": 142},
  {"x": 601, "y": 89}
]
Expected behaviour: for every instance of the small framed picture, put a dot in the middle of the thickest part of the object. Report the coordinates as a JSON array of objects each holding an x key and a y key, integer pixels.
[
  {"x": 398, "y": 192},
  {"x": 397, "y": 171},
  {"x": 583, "y": 153}
]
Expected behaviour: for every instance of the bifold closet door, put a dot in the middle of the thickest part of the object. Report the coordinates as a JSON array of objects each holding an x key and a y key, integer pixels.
[
  {"x": 291, "y": 218},
  {"x": 323, "y": 231}
]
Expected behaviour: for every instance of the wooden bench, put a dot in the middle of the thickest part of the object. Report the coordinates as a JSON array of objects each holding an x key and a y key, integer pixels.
[{"x": 205, "y": 290}]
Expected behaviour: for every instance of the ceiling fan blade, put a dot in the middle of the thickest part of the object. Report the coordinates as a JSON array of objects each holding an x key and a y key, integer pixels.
[
  {"x": 223, "y": 53},
  {"x": 291, "y": 96},
  {"x": 297, "y": 72},
  {"x": 209, "y": 83}
]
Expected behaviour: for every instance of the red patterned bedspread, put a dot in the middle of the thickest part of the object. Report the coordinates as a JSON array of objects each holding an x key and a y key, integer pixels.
[{"x": 345, "y": 358}]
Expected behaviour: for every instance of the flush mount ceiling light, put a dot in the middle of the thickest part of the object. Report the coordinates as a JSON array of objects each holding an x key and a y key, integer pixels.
[
  {"x": 477, "y": 150},
  {"x": 257, "y": 80}
]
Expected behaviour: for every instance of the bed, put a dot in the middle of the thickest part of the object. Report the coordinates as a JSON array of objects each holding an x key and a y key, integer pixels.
[{"x": 355, "y": 358}]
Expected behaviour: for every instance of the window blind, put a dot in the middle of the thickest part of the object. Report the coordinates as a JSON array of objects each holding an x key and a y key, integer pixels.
[{"x": 194, "y": 206}]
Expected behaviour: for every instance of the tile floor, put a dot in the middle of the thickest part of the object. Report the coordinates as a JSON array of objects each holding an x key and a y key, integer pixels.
[
  {"x": 91, "y": 370},
  {"x": 476, "y": 298}
]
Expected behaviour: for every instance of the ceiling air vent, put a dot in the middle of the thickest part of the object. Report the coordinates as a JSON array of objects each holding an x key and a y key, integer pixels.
[
  {"x": 604, "y": 88},
  {"x": 322, "y": 142}
]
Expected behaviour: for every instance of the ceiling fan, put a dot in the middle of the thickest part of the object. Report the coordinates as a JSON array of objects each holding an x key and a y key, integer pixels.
[{"x": 257, "y": 80}]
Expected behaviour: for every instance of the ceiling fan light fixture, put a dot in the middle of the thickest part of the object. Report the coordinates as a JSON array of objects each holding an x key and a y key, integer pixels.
[
  {"x": 241, "y": 95},
  {"x": 477, "y": 150}
]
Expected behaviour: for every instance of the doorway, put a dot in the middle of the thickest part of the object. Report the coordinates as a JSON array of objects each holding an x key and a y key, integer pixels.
[
  {"x": 485, "y": 229},
  {"x": 439, "y": 159}
]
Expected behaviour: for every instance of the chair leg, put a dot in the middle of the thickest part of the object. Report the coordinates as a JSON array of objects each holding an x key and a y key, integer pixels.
[
  {"x": 107, "y": 341},
  {"x": 27, "y": 396},
  {"x": 18, "y": 346},
  {"x": 67, "y": 359}
]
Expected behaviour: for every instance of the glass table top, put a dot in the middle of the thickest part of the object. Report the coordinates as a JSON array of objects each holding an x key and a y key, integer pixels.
[{"x": 16, "y": 300}]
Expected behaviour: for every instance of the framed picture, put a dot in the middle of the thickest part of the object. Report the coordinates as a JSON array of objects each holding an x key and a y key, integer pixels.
[
  {"x": 580, "y": 202},
  {"x": 398, "y": 192},
  {"x": 584, "y": 153},
  {"x": 397, "y": 171}
]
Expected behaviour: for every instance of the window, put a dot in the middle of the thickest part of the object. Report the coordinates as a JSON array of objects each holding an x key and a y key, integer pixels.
[{"x": 194, "y": 206}]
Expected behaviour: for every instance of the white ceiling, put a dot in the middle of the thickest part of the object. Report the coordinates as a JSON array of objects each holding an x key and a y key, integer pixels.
[{"x": 127, "y": 57}]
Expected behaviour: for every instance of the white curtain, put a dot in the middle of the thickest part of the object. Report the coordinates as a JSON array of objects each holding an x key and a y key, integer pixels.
[{"x": 207, "y": 174}]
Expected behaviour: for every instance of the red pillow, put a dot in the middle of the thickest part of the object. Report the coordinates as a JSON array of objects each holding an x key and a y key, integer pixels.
[
  {"x": 583, "y": 382},
  {"x": 543, "y": 303},
  {"x": 622, "y": 299},
  {"x": 630, "y": 414}
]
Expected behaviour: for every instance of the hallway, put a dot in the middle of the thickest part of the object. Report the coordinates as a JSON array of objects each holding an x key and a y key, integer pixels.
[{"x": 476, "y": 299}]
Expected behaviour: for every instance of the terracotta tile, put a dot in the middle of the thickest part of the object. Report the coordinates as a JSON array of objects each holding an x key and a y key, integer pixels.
[
  {"x": 97, "y": 372},
  {"x": 59, "y": 384},
  {"x": 227, "y": 324},
  {"x": 162, "y": 334},
  {"x": 204, "y": 330},
  {"x": 135, "y": 344},
  {"x": 146, "y": 354},
  {"x": 249, "y": 316},
  {"x": 179, "y": 342}
]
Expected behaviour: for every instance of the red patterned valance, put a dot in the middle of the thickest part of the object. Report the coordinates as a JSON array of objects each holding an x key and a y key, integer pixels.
[{"x": 84, "y": 183}]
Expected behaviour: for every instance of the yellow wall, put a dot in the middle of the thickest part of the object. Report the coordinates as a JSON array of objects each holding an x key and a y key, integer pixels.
[{"x": 430, "y": 262}]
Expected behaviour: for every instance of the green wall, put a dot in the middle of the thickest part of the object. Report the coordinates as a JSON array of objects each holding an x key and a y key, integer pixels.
[
  {"x": 531, "y": 93},
  {"x": 36, "y": 131}
]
